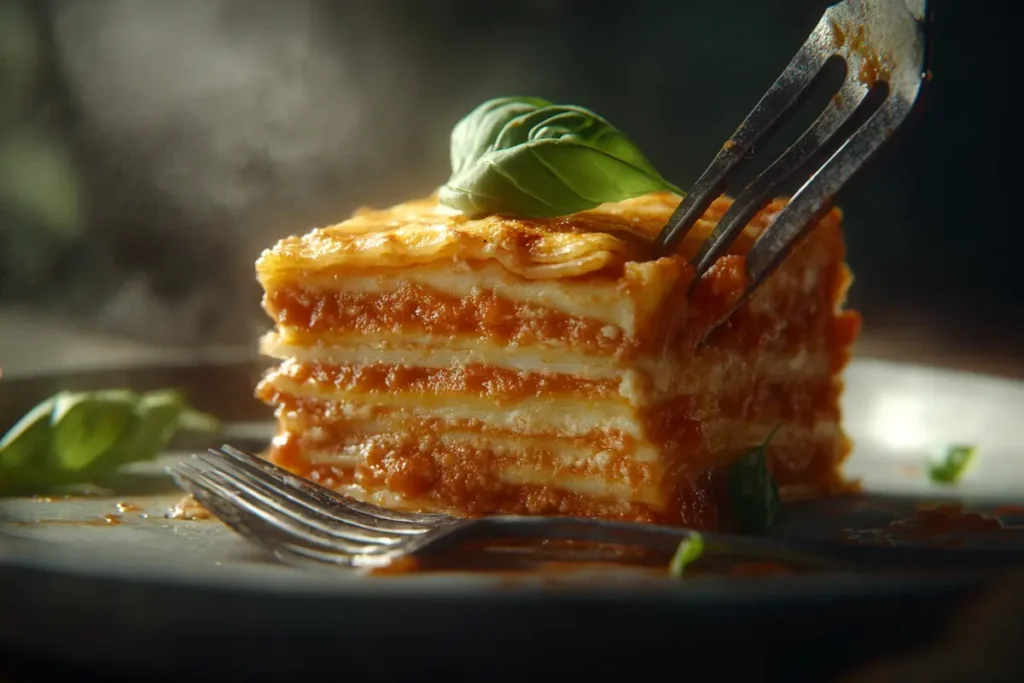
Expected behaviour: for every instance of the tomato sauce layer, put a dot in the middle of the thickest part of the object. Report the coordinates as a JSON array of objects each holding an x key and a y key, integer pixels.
[
  {"x": 474, "y": 379},
  {"x": 484, "y": 315}
]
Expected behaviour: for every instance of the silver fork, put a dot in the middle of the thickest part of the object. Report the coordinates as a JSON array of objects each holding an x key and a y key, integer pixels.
[
  {"x": 301, "y": 522},
  {"x": 883, "y": 44}
]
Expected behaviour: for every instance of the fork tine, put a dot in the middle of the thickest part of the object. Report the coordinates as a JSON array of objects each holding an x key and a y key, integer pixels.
[
  {"x": 286, "y": 526},
  {"x": 297, "y": 555},
  {"x": 795, "y": 218},
  {"x": 329, "y": 502},
  {"x": 778, "y": 100},
  {"x": 192, "y": 481},
  {"x": 224, "y": 507},
  {"x": 286, "y": 503},
  {"x": 336, "y": 511},
  {"x": 326, "y": 496},
  {"x": 767, "y": 184},
  {"x": 250, "y": 526}
]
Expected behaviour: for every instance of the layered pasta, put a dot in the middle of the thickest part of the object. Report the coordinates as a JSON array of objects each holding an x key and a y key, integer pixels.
[{"x": 434, "y": 362}]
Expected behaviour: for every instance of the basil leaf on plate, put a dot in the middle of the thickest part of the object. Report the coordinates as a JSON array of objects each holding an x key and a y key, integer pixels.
[
  {"x": 527, "y": 157},
  {"x": 688, "y": 552},
  {"x": 753, "y": 492},
  {"x": 86, "y": 426},
  {"x": 76, "y": 437},
  {"x": 957, "y": 459}
]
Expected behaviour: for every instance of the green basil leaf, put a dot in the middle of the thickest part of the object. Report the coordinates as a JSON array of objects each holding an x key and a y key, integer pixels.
[
  {"x": 753, "y": 492},
  {"x": 688, "y": 552},
  {"x": 30, "y": 435},
  {"x": 76, "y": 437},
  {"x": 474, "y": 135},
  {"x": 526, "y": 157},
  {"x": 85, "y": 426},
  {"x": 955, "y": 462},
  {"x": 159, "y": 415}
]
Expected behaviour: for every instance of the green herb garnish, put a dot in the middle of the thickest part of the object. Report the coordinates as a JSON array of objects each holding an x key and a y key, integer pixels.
[
  {"x": 688, "y": 552},
  {"x": 957, "y": 459},
  {"x": 528, "y": 157},
  {"x": 76, "y": 437},
  {"x": 753, "y": 493}
]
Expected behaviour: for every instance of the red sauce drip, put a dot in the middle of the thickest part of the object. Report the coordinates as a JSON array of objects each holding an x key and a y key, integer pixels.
[{"x": 943, "y": 525}]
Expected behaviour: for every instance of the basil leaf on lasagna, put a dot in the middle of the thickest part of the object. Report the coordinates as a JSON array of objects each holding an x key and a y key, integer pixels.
[
  {"x": 527, "y": 157},
  {"x": 955, "y": 462},
  {"x": 753, "y": 492},
  {"x": 473, "y": 136}
]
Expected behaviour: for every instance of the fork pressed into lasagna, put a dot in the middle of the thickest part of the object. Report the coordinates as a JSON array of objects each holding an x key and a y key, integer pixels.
[{"x": 434, "y": 361}]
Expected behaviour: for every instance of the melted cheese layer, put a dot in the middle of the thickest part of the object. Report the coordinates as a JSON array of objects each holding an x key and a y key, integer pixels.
[
  {"x": 713, "y": 370},
  {"x": 564, "y": 416}
]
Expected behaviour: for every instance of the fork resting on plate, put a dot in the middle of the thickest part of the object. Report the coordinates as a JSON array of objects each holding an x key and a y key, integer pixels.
[{"x": 302, "y": 522}]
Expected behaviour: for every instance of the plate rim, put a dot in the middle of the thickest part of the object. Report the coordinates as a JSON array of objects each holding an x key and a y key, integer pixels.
[{"x": 17, "y": 554}]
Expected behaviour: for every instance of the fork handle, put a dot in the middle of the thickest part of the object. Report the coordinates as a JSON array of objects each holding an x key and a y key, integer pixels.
[
  {"x": 655, "y": 537},
  {"x": 652, "y": 536},
  {"x": 824, "y": 554}
]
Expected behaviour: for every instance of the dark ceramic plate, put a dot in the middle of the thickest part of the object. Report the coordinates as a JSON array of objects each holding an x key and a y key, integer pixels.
[{"x": 87, "y": 582}]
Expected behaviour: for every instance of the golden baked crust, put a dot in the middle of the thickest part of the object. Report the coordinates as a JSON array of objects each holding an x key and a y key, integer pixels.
[{"x": 422, "y": 231}]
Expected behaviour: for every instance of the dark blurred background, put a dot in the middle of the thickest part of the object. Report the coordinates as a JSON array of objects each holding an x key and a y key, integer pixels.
[{"x": 149, "y": 150}]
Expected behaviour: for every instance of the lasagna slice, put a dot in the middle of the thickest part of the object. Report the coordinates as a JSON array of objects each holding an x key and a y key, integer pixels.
[{"x": 551, "y": 366}]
